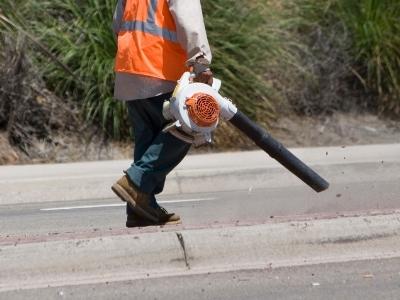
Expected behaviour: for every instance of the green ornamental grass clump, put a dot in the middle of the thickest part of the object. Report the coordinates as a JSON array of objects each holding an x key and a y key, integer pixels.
[
  {"x": 78, "y": 35},
  {"x": 375, "y": 29},
  {"x": 246, "y": 37},
  {"x": 259, "y": 50},
  {"x": 366, "y": 33},
  {"x": 79, "y": 38}
]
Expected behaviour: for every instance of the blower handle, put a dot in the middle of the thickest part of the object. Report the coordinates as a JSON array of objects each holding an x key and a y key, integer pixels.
[{"x": 277, "y": 151}]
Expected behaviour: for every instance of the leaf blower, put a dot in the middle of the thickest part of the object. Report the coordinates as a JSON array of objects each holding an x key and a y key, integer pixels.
[{"x": 195, "y": 110}]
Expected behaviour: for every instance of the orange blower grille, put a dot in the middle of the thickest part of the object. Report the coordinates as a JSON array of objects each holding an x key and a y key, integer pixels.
[{"x": 203, "y": 109}]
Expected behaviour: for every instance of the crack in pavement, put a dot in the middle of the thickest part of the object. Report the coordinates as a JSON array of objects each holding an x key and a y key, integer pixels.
[{"x": 182, "y": 243}]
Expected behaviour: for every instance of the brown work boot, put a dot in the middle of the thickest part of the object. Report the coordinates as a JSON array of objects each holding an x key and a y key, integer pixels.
[
  {"x": 167, "y": 218},
  {"x": 136, "y": 221},
  {"x": 139, "y": 201}
]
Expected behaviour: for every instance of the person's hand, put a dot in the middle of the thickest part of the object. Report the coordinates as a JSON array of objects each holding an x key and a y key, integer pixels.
[
  {"x": 201, "y": 70},
  {"x": 205, "y": 77}
]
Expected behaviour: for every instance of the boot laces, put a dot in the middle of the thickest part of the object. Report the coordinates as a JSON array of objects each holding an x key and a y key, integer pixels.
[{"x": 163, "y": 210}]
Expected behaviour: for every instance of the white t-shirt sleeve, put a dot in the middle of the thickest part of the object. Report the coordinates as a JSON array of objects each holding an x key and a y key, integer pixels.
[{"x": 190, "y": 29}]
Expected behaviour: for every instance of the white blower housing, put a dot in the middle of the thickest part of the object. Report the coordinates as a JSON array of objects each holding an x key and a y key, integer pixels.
[{"x": 195, "y": 110}]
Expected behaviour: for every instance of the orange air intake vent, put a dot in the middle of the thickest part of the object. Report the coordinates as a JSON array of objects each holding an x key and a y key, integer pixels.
[{"x": 203, "y": 109}]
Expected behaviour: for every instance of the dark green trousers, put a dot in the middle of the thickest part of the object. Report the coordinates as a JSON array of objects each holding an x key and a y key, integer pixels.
[{"x": 156, "y": 153}]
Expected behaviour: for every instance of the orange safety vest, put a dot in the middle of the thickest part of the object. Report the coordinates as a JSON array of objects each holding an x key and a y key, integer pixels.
[{"x": 148, "y": 43}]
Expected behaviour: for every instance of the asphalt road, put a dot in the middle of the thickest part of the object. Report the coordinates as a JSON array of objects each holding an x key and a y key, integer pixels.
[
  {"x": 367, "y": 280},
  {"x": 94, "y": 217},
  {"x": 357, "y": 188}
]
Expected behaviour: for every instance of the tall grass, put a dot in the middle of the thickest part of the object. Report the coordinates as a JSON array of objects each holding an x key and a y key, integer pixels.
[
  {"x": 325, "y": 85},
  {"x": 244, "y": 36},
  {"x": 78, "y": 34},
  {"x": 264, "y": 51},
  {"x": 355, "y": 41},
  {"x": 375, "y": 29}
]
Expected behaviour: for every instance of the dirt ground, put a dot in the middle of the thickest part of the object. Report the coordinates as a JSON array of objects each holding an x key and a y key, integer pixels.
[{"x": 339, "y": 129}]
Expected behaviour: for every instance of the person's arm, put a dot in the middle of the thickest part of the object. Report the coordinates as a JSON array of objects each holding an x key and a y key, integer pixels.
[{"x": 192, "y": 36}]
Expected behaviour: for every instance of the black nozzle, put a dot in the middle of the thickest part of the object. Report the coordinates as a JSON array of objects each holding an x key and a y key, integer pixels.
[{"x": 277, "y": 151}]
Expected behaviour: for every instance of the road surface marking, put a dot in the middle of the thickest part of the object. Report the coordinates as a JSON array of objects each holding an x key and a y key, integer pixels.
[{"x": 123, "y": 204}]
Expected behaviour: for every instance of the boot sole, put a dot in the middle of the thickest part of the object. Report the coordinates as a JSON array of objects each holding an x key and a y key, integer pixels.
[
  {"x": 146, "y": 223},
  {"x": 125, "y": 197}
]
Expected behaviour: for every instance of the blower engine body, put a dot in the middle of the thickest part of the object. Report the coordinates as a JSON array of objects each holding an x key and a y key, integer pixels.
[{"x": 195, "y": 110}]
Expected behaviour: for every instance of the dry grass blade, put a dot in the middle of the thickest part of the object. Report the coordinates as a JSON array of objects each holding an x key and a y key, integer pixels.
[{"x": 41, "y": 46}]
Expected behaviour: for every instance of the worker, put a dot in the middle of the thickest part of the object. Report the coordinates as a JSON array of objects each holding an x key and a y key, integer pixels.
[{"x": 158, "y": 40}]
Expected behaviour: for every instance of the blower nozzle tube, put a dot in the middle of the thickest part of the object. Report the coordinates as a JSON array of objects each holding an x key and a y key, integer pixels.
[{"x": 277, "y": 151}]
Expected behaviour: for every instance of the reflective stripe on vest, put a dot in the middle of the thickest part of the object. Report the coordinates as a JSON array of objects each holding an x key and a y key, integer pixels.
[
  {"x": 150, "y": 28},
  {"x": 147, "y": 40},
  {"x": 150, "y": 25}
]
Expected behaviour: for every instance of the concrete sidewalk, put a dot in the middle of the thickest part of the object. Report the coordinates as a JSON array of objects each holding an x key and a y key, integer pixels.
[
  {"x": 197, "y": 173},
  {"x": 150, "y": 255},
  {"x": 138, "y": 254}
]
